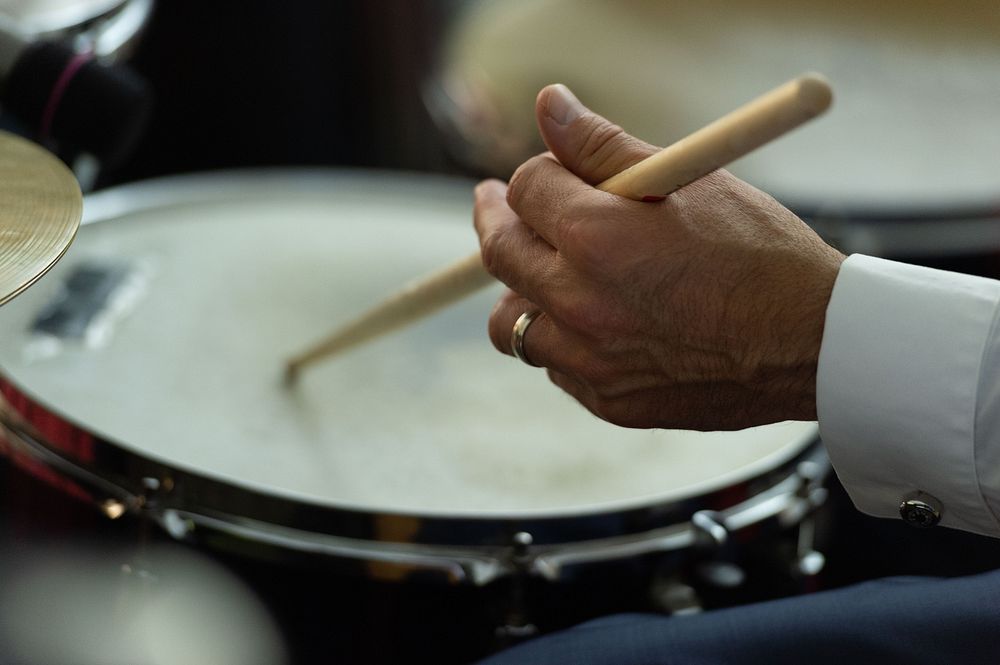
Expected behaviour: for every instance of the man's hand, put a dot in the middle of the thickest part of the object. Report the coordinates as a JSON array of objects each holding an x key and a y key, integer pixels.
[{"x": 703, "y": 311}]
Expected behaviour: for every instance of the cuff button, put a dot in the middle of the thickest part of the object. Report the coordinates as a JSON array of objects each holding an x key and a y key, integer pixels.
[{"x": 922, "y": 512}]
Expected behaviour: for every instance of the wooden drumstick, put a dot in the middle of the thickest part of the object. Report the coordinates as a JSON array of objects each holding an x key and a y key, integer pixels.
[{"x": 728, "y": 138}]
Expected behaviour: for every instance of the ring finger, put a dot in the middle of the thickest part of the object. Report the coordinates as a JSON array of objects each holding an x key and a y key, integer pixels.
[{"x": 542, "y": 343}]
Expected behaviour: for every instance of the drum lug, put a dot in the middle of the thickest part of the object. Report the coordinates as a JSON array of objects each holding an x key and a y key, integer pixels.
[
  {"x": 808, "y": 561},
  {"x": 809, "y": 495},
  {"x": 153, "y": 486},
  {"x": 176, "y": 525},
  {"x": 712, "y": 536},
  {"x": 525, "y": 561},
  {"x": 516, "y": 625},
  {"x": 152, "y": 490},
  {"x": 710, "y": 531},
  {"x": 520, "y": 554}
]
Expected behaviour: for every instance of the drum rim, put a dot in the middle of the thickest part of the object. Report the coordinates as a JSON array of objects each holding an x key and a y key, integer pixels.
[
  {"x": 128, "y": 468},
  {"x": 123, "y": 485}
]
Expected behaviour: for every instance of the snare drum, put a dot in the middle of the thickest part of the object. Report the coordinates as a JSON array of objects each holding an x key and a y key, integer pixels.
[
  {"x": 904, "y": 165},
  {"x": 144, "y": 375}
]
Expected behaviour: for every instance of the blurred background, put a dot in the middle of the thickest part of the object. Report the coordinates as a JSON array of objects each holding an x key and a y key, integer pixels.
[{"x": 905, "y": 166}]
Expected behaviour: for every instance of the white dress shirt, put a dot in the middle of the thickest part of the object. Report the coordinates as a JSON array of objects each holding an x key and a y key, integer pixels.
[{"x": 908, "y": 391}]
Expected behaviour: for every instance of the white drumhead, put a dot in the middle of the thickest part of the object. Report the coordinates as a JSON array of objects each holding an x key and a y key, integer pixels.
[
  {"x": 916, "y": 97},
  {"x": 431, "y": 420}
]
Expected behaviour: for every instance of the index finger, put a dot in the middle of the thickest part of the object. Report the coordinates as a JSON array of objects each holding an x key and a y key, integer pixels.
[{"x": 541, "y": 191}]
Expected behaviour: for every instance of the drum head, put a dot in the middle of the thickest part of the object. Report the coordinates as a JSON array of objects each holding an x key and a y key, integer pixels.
[
  {"x": 913, "y": 121},
  {"x": 189, "y": 298}
]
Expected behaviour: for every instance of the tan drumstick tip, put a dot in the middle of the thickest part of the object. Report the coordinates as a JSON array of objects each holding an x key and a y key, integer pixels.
[
  {"x": 414, "y": 301},
  {"x": 725, "y": 140}
]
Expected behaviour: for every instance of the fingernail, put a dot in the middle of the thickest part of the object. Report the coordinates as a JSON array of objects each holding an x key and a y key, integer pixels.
[{"x": 562, "y": 105}]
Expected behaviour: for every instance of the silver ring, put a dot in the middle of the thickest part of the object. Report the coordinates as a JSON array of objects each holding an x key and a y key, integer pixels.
[{"x": 517, "y": 335}]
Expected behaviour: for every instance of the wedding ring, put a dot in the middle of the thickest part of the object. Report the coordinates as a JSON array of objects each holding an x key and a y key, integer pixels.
[{"x": 517, "y": 335}]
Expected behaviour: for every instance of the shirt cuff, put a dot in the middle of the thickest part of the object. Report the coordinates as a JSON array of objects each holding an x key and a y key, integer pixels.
[{"x": 896, "y": 394}]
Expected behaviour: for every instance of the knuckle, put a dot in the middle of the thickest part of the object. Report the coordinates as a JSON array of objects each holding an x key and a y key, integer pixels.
[
  {"x": 607, "y": 148},
  {"x": 585, "y": 316},
  {"x": 587, "y": 235},
  {"x": 601, "y": 138},
  {"x": 581, "y": 240},
  {"x": 568, "y": 229},
  {"x": 514, "y": 187},
  {"x": 574, "y": 311},
  {"x": 492, "y": 250},
  {"x": 497, "y": 332},
  {"x": 519, "y": 185}
]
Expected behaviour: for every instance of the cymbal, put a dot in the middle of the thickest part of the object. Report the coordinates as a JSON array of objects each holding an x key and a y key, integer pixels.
[{"x": 40, "y": 209}]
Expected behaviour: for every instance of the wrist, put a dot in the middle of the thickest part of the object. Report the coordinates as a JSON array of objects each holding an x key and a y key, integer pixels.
[{"x": 787, "y": 380}]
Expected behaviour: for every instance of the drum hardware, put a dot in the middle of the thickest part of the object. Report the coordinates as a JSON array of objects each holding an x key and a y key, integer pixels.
[
  {"x": 454, "y": 565},
  {"x": 809, "y": 492},
  {"x": 710, "y": 529},
  {"x": 112, "y": 500},
  {"x": 62, "y": 84},
  {"x": 711, "y": 540},
  {"x": 516, "y": 625},
  {"x": 115, "y": 37},
  {"x": 116, "y": 508},
  {"x": 808, "y": 561},
  {"x": 24, "y": 449},
  {"x": 723, "y": 571}
]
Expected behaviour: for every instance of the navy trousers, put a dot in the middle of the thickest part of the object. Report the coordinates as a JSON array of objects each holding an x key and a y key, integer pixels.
[{"x": 906, "y": 620}]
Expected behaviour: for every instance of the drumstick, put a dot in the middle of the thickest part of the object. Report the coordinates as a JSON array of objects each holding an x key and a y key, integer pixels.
[{"x": 728, "y": 138}]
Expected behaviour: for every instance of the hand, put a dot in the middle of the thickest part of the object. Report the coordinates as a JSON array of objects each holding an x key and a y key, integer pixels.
[{"x": 702, "y": 311}]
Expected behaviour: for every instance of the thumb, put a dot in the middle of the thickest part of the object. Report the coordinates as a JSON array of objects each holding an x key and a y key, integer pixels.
[{"x": 584, "y": 142}]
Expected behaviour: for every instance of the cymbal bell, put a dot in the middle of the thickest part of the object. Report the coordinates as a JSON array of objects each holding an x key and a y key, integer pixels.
[{"x": 40, "y": 210}]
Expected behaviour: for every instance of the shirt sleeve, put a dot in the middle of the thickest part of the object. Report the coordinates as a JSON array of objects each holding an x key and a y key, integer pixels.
[{"x": 908, "y": 390}]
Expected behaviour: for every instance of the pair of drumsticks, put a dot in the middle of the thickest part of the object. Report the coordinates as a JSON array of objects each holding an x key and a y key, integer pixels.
[{"x": 723, "y": 141}]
